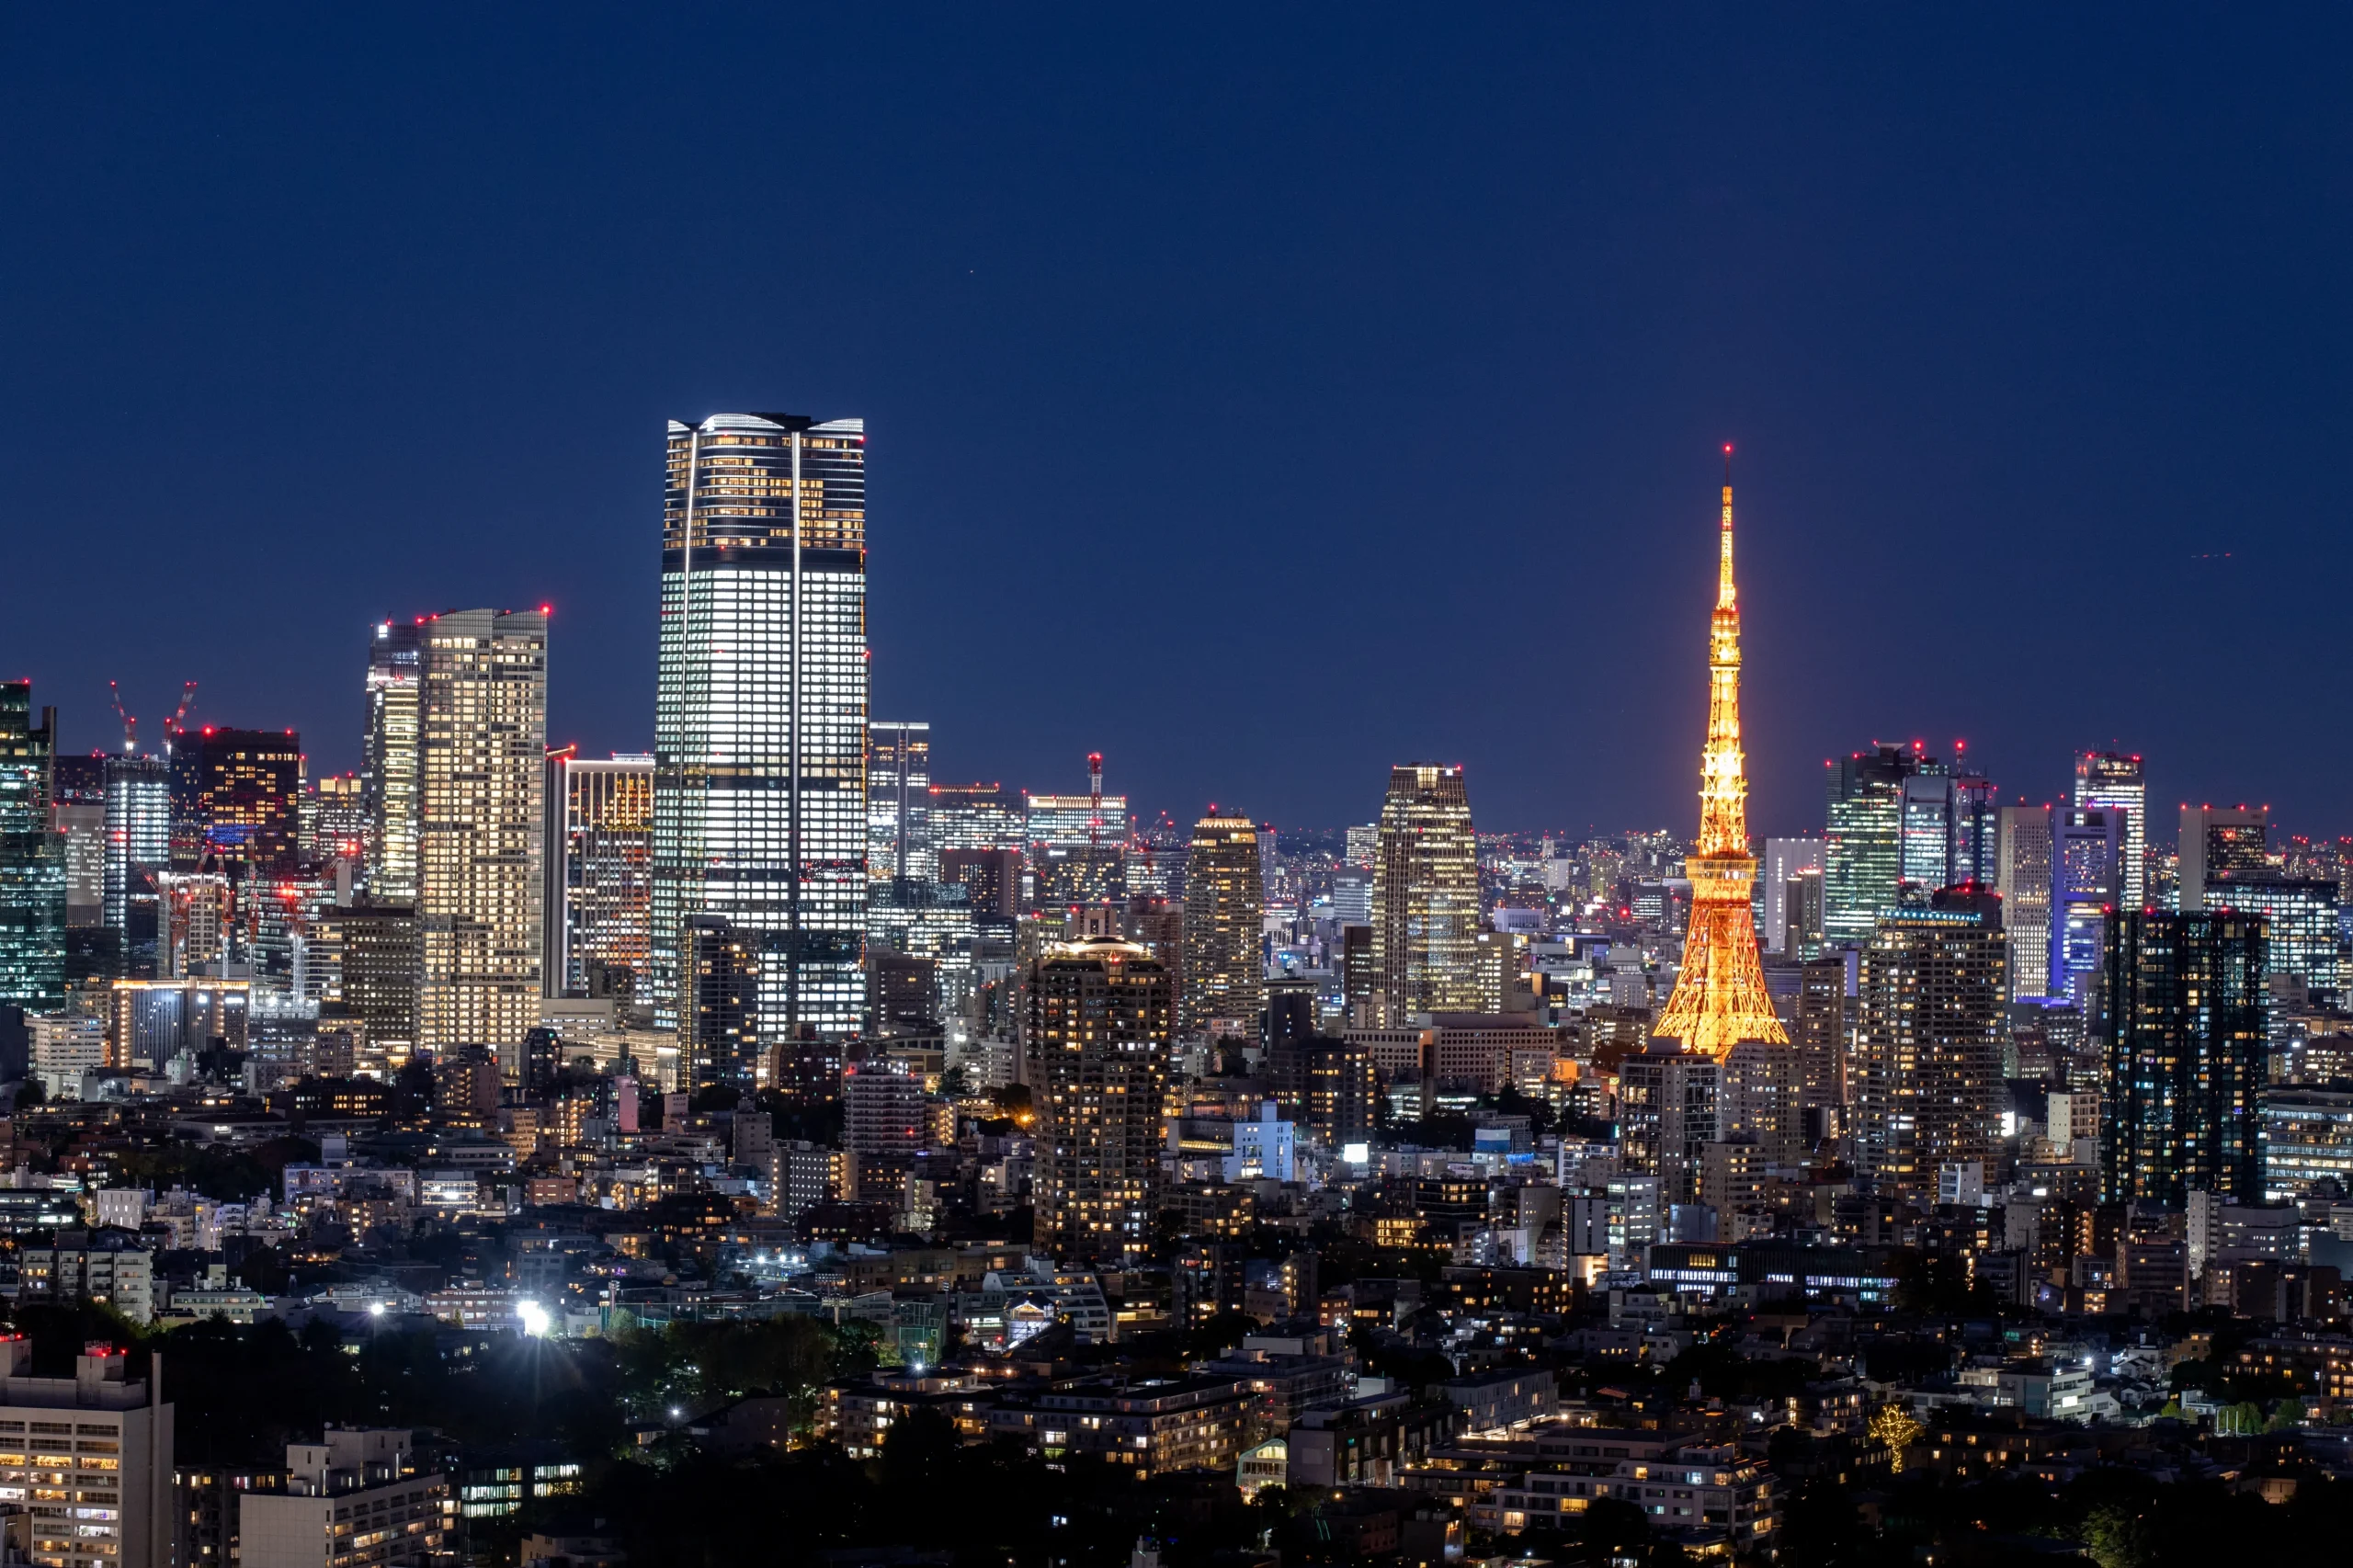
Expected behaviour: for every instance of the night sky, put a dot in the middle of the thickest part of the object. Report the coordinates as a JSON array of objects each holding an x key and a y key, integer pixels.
[{"x": 1259, "y": 395}]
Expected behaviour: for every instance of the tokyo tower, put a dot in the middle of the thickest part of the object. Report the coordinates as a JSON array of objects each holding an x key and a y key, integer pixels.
[{"x": 1720, "y": 997}]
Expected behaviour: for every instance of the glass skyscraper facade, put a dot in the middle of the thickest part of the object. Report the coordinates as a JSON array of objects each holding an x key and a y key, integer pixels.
[
  {"x": 2022, "y": 876},
  {"x": 2185, "y": 1048},
  {"x": 32, "y": 858},
  {"x": 2087, "y": 875},
  {"x": 759, "y": 790},
  {"x": 1862, "y": 856},
  {"x": 898, "y": 802},
  {"x": 2113, "y": 782},
  {"x": 395, "y": 687}
]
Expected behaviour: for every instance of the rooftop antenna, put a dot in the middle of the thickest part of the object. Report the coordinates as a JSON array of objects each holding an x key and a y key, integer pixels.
[{"x": 129, "y": 725}]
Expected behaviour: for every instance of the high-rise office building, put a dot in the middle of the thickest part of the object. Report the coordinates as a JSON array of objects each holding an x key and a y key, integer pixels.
[
  {"x": 1925, "y": 851},
  {"x": 2022, "y": 876},
  {"x": 2219, "y": 842},
  {"x": 2185, "y": 1043},
  {"x": 993, "y": 877},
  {"x": 1976, "y": 830},
  {"x": 236, "y": 798},
  {"x": 379, "y": 972},
  {"x": 1927, "y": 1057},
  {"x": 759, "y": 789},
  {"x": 1862, "y": 845},
  {"x": 598, "y": 864},
  {"x": 2300, "y": 921},
  {"x": 1425, "y": 916},
  {"x": 482, "y": 752},
  {"x": 2086, "y": 887},
  {"x": 898, "y": 802},
  {"x": 32, "y": 859},
  {"x": 1224, "y": 916},
  {"x": 975, "y": 816},
  {"x": 1783, "y": 859},
  {"x": 1720, "y": 998},
  {"x": 395, "y": 695},
  {"x": 1077, "y": 844},
  {"x": 2114, "y": 782},
  {"x": 1097, "y": 1039},
  {"x": 77, "y": 814},
  {"x": 138, "y": 846}
]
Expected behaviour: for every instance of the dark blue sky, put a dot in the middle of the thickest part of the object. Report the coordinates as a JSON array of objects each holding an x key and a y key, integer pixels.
[{"x": 1258, "y": 395}]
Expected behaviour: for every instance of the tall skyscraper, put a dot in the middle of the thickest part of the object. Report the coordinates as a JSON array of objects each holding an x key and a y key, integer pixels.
[
  {"x": 2185, "y": 1043},
  {"x": 1927, "y": 1057},
  {"x": 1862, "y": 845},
  {"x": 598, "y": 863},
  {"x": 395, "y": 691},
  {"x": 2022, "y": 876},
  {"x": 2300, "y": 921},
  {"x": 759, "y": 756},
  {"x": 336, "y": 823},
  {"x": 1670, "y": 1110},
  {"x": 1784, "y": 859},
  {"x": 1097, "y": 1038},
  {"x": 1720, "y": 997},
  {"x": 2114, "y": 782},
  {"x": 898, "y": 802},
  {"x": 2086, "y": 887},
  {"x": 139, "y": 845},
  {"x": 1976, "y": 830},
  {"x": 481, "y": 753},
  {"x": 2219, "y": 842},
  {"x": 236, "y": 798},
  {"x": 1425, "y": 916},
  {"x": 1224, "y": 914},
  {"x": 32, "y": 859}
]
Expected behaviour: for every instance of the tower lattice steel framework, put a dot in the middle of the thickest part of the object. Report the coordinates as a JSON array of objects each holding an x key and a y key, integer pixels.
[{"x": 1720, "y": 998}]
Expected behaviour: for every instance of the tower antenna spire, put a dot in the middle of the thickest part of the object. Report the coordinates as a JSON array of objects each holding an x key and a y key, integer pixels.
[{"x": 1720, "y": 998}]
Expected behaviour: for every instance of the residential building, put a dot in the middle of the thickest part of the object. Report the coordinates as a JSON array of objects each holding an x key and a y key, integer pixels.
[
  {"x": 482, "y": 814},
  {"x": 2185, "y": 1048},
  {"x": 1927, "y": 1055},
  {"x": 1097, "y": 1041},
  {"x": 1425, "y": 895},
  {"x": 759, "y": 792},
  {"x": 92, "y": 1456},
  {"x": 1224, "y": 978},
  {"x": 107, "y": 1267},
  {"x": 1668, "y": 1106},
  {"x": 357, "y": 1498},
  {"x": 598, "y": 863}
]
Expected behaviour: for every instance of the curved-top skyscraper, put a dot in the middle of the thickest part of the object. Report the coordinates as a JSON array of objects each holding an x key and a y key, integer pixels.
[
  {"x": 760, "y": 751},
  {"x": 1720, "y": 997}
]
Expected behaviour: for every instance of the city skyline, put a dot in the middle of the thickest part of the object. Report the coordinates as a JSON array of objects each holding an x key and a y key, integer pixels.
[{"x": 1641, "y": 246}]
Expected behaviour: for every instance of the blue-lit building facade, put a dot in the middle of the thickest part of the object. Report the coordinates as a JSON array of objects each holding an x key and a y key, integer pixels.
[{"x": 2188, "y": 1055}]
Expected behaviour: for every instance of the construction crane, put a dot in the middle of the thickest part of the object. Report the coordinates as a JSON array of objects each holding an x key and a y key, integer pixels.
[
  {"x": 176, "y": 724},
  {"x": 130, "y": 724}
]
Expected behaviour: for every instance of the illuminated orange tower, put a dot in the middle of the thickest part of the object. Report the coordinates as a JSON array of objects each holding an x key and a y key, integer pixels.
[{"x": 1720, "y": 997}]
